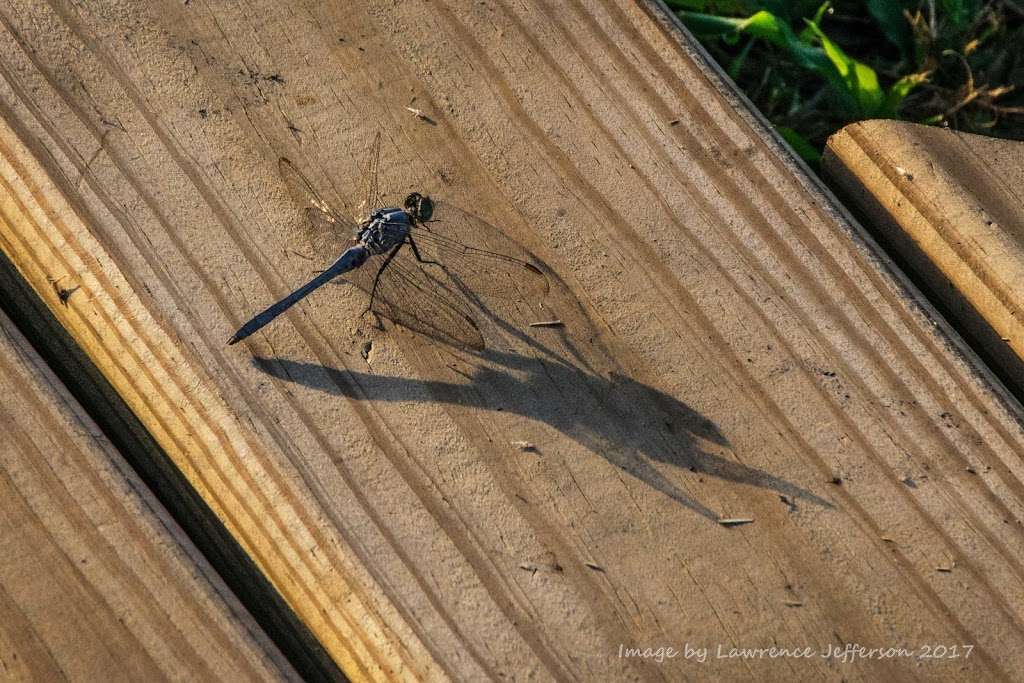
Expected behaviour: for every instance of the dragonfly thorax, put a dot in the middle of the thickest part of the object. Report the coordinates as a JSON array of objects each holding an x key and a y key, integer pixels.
[{"x": 385, "y": 229}]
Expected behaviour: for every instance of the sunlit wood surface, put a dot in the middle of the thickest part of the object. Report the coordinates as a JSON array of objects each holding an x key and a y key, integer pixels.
[
  {"x": 96, "y": 582},
  {"x": 731, "y": 348},
  {"x": 951, "y": 205}
]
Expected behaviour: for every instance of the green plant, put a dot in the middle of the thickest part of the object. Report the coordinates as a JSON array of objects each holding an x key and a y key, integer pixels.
[{"x": 812, "y": 67}]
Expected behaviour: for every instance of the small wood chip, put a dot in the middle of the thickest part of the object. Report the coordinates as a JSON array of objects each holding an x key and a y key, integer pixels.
[
  {"x": 421, "y": 115},
  {"x": 547, "y": 323},
  {"x": 735, "y": 521}
]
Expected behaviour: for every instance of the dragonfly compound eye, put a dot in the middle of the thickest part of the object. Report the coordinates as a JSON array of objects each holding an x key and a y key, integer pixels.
[{"x": 421, "y": 207}]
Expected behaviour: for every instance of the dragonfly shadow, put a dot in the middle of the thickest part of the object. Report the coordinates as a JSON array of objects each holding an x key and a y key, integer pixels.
[{"x": 636, "y": 427}]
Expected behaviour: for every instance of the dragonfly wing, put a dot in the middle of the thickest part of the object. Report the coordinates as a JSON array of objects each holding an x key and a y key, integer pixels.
[
  {"x": 372, "y": 176},
  {"x": 322, "y": 222},
  {"x": 478, "y": 255},
  {"x": 321, "y": 215},
  {"x": 420, "y": 298}
]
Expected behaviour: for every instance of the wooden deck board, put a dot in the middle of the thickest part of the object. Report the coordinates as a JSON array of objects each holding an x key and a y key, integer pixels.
[
  {"x": 732, "y": 346},
  {"x": 96, "y": 581},
  {"x": 950, "y": 204}
]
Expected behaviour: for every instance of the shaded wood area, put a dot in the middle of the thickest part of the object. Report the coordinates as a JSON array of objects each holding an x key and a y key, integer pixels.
[
  {"x": 96, "y": 581},
  {"x": 950, "y": 204},
  {"x": 731, "y": 346}
]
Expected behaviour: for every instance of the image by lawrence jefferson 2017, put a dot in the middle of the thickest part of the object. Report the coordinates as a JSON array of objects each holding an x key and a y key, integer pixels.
[{"x": 840, "y": 652}]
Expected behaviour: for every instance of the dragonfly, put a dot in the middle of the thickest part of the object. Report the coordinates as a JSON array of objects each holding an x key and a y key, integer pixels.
[{"x": 421, "y": 263}]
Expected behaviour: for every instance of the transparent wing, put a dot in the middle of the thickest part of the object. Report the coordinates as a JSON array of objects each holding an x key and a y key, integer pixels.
[
  {"x": 321, "y": 215},
  {"x": 372, "y": 176},
  {"x": 420, "y": 297},
  {"x": 478, "y": 256}
]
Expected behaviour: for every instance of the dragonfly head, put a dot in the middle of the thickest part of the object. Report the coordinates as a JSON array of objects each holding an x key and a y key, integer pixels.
[{"x": 419, "y": 206}]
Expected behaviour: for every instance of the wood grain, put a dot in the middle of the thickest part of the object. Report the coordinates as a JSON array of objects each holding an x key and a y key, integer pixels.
[
  {"x": 950, "y": 204},
  {"x": 96, "y": 581},
  {"x": 732, "y": 346}
]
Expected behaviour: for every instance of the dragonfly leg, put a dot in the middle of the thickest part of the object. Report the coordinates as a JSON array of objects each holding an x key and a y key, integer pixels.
[
  {"x": 380, "y": 271},
  {"x": 416, "y": 252}
]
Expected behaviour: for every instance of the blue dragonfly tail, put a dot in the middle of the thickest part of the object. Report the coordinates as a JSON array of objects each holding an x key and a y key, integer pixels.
[{"x": 350, "y": 260}]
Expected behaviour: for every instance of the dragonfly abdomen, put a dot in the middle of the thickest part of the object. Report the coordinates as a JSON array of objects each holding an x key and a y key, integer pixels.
[{"x": 352, "y": 258}]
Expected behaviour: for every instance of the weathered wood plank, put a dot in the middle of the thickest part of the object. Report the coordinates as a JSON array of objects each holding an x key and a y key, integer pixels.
[
  {"x": 96, "y": 581},
  {"x": 732, "y": 346},
  {"x": 950, "y": 203}
]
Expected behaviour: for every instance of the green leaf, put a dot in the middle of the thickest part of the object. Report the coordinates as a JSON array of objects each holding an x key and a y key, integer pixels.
[
  {"x": 859, "y": 79},
  {"x": 777, "y": 31},
  {"x": 898, "y": 92},
  {"x": 763, "y": 24},
  {"x": 807, "y": 35},
  {"x": 708, "y": 25},
  {"x": 855, "y": 82},
  {"x": 768, "y": 26}
]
